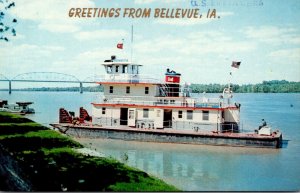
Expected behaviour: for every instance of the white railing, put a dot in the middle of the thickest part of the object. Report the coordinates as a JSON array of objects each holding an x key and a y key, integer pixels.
[
  {"x": 175, "y": 125},
  {"x": 166, "y": 101},
  {"x": 127, "y": 78}
]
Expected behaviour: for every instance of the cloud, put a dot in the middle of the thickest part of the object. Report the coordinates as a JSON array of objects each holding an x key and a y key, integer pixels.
[
  {"x": 27, "y": 57},
  {"x": 285, "y": 63},
  {"x": 101, "y": 34},
  {"x": 183, "y": 22},
  {"x": 192, "y": 21},
  {"x": 144, "y": 1},
  {"x": 47, "y": 9},
  {"x": 50, "y": 15},
  {"x": 87, "y": 63},
  {"x": 195, "y": 44},
  {"x": 29, "y": 51},
  {"x": 287, "y": 56},
  {"x": 206, "y": 53},
  {"x": 273, "y": 34},
  {"x": 153, "y": 1},
  {"x": 95, "y": 55},
  {"x": 225, "y": 13},
  {"x": 53, "y": 48},
  {"x": 59, "y": 27}
]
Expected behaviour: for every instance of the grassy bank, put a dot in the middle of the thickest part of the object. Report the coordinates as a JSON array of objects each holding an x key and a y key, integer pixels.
[{"x": 50, "y": 163}]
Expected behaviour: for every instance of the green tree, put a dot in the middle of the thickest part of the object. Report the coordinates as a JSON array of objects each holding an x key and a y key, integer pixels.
[
  {"x": 273, "y": 86},
  {"x": 6, "y": 22}
]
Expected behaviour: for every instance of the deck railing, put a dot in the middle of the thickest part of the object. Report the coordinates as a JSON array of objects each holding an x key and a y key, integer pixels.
[
  {"x": 127, "y": 78},
  {"x": 174, "y": 125},
  {"x": 166, "y": 101}
]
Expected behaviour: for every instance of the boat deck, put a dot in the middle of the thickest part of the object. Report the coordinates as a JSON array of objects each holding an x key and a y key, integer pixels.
[
  {"x": 250, "y": 135},
  {"x": 171, "y": 135}
]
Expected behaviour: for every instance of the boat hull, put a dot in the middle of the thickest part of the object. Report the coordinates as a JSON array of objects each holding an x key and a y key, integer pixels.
[{"x": 169, "y": 136}]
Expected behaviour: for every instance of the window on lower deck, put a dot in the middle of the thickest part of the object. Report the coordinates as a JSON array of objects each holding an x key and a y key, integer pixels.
[
  {"x": 145, "y": 113},
  {"x": 189, "y": 114},
  {"x": 111, "y": 89},
  {"x": 205, "y": 115},
  {"x": 127, "y": 89},
  {"x": 146, "y": 90},
  {"x": 103, "y": 111}
]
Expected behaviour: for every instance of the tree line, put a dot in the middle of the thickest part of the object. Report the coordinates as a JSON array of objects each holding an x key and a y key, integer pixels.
[
  {"x": 273, "y": 86},
  {"x": 7, "y": 24}
]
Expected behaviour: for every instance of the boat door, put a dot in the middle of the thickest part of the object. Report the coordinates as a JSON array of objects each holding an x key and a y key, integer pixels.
[
  {"x": 167, "y": 120},
  {"x": 131, "y": 117},
  {"x": 158, "y": 119},
  {"x": 123, "y": 116}
]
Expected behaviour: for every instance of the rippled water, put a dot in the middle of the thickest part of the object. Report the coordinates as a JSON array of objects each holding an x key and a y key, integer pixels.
[{"x": 199, "y": 167}]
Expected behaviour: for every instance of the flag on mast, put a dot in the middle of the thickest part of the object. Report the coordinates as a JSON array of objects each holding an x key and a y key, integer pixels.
[
  {"x": 235, "y": 64},
  {"x": 120, "y": 45},
  {"x": 131, "y": 50}
]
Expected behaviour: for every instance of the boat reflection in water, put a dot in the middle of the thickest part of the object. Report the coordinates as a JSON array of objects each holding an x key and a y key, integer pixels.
[{"x": 193, "y": 167}]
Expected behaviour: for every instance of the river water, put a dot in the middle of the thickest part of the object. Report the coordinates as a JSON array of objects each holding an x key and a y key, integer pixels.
[{"x": 199, "y": 167}]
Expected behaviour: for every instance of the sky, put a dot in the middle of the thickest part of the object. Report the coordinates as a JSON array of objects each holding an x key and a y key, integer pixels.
[{"x": 263, "y": 34}]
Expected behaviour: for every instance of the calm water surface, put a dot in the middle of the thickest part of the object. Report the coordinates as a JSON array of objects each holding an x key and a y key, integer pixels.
[{"x": 196, "y": 167}]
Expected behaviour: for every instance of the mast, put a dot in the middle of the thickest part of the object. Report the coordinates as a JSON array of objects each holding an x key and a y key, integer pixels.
[{"x": 131, "y": 52}]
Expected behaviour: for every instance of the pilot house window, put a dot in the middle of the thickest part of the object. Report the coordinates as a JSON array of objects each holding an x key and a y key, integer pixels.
[
  {"x": 109, "y": 69},
  {"x": 127, "y": 89},
  {"x": 111, "y": 89},
  {"x": 124, "y": 69}
]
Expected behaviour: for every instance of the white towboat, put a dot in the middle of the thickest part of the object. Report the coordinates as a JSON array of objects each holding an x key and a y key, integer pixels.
[{"x": 135, "y": 107}]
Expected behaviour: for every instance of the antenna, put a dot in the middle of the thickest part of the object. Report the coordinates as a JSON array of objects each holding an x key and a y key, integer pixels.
[{"x": 230, "y": 80}]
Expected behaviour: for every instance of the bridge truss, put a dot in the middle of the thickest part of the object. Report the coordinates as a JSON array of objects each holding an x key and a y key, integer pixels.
[{"x": 46, "y": 77}]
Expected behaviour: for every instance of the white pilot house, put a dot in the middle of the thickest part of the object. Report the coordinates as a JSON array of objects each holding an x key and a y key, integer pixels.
[{"x": 133, "y": 100}]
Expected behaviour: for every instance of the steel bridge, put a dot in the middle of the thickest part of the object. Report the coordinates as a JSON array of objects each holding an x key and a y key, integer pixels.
[{"x": 46, "y": 77}]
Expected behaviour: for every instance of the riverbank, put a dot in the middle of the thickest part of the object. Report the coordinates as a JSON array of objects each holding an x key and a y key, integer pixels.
[{"x": 35, "y": 158}]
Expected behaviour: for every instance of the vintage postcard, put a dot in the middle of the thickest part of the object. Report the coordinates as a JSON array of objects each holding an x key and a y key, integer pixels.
[{"x": 149, "y": 95}]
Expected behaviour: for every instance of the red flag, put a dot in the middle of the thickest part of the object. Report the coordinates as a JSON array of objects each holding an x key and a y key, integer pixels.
[
  {"x": 235, "y": 64},
  {"x": 120, "y": 45}
]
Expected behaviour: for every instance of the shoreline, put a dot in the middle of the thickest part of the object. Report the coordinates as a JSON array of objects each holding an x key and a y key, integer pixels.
[{"x": 36, "y": 158}]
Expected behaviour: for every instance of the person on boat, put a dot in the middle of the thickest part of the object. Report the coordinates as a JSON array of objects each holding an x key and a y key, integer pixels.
[{"x": 264, "y": 123}]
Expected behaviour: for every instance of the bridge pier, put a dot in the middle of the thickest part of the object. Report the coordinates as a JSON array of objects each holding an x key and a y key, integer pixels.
[
  {"x": 80, "y": 88},
  {"x": 9, "y": 86}
]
